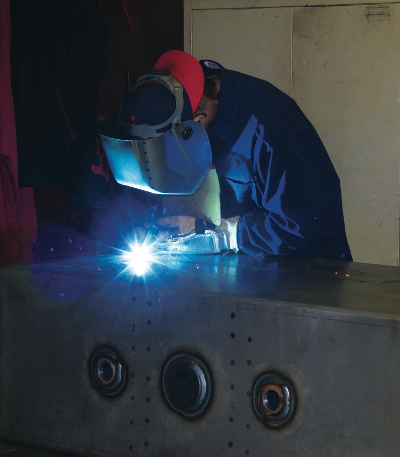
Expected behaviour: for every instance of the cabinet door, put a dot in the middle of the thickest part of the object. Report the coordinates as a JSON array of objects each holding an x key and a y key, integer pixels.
[
  {"x": 253, "y": 41},
  {"x": 346, "y": 78}
]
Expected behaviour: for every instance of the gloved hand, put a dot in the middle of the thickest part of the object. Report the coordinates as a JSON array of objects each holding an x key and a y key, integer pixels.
[{"x": 203, "y": 239}]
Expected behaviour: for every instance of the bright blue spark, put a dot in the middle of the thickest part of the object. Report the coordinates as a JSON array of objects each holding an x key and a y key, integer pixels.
[{"x": 139, "y": 257}]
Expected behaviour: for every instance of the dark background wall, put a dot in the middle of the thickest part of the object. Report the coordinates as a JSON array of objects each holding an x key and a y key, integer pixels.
[{"x": 139, "y": 31}]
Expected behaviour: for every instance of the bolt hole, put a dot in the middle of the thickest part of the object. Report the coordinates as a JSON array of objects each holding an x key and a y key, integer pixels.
[
  {"x": 249, "y": 393},
  {"x": 132, "y": 375},
  {"x": 147, "y": 378},
  {"x": 232, "y": 362},
  {"x": 230, "y": 444},
  {"x": 149, "y": 322},
  {"x": 233, "y": 335},
  {"x": 146, "y": 443},
  {"x": 147, "y": 420},
  {"x": 233, "y": 315},
  {"x": 133, "y": 348},
  {"x": 148, "y": 348},
  {"x": 133, "y": 298},
  {"x": 132, "y": 397},
  {"x": 149, "y": 302},
  {"x": 231, "y": 419},
  {"x": 105, "y": 371},
  {"x": 232, "y": 386},
  {"x": 249, "y": 339},
  {"x": 247, "y": 426},
  {"x": 130, "y": 448},
  {"x": 131, "y": 422},
  {"x": 148, "y": 399},
  {"x": 249, "y": 362},
  {"x": 273, "y": 399}
]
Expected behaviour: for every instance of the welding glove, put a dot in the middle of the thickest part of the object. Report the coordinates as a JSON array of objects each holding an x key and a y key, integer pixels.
[{"x": 205, "y": 239}]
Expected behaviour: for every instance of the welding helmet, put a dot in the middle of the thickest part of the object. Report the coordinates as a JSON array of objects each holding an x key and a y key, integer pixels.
[{"x": 161, "y": 149}]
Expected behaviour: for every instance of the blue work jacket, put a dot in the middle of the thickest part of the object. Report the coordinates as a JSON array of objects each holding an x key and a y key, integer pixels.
[{"x": 275, "y": 173}]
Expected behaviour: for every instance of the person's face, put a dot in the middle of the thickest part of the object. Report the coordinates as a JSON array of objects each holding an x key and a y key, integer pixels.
[{"x": 207, "y": 109}]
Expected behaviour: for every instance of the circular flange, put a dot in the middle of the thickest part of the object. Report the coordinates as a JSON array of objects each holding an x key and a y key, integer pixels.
[
  {"x": 186, "y": 384},
  {"x": 107, "y": 372},
  {"x": 274, "y": 399}
]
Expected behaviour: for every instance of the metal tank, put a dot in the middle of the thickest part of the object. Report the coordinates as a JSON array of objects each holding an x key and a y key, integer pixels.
[{"x": 201, "y": 356}]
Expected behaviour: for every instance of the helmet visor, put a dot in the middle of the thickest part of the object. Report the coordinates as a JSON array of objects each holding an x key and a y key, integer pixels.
[{"x": 176, "y": 162}]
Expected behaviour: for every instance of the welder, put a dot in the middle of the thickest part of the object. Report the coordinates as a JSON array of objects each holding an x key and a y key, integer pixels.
[{"x": 191, "y": 125}]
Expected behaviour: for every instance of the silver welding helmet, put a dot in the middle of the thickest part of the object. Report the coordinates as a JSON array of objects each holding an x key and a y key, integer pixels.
[{"x": 173, "y": 162}]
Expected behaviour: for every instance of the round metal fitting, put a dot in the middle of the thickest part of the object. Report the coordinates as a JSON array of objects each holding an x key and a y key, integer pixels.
[
  {"x": 187, "y": 133},
  {"x": 274, "y": 399},
  {"x": 184, "y": 132},
  {"x": 107, "y": 372},
  {"x": 186, "y": 384}
]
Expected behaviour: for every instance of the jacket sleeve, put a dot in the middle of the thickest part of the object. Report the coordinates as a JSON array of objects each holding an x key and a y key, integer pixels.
[{"x": 287, "y": 191}]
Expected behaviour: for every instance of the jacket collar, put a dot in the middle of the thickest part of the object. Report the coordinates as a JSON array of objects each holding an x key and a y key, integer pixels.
[{"x": 225, "y": 119}]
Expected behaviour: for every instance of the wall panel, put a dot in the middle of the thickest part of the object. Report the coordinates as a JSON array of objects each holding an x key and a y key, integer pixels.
[
  {"x": 346, "y": 69},
  {"x": 256, "y": 42}
]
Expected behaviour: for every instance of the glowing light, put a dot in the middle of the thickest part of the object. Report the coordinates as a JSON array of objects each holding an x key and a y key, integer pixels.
[{"x": 139, "y": 258}]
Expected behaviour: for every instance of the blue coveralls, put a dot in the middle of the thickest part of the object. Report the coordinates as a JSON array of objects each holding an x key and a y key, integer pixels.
[{"x": 275, "y": 173}]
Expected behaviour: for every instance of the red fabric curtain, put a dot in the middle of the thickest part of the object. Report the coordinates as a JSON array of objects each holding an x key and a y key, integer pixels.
[{"x": 17, "y": 207}]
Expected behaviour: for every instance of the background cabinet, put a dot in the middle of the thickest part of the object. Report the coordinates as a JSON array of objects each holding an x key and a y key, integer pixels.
[{"x": 341, "y": 63}]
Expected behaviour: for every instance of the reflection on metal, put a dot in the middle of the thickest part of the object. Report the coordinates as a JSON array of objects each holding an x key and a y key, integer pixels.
[
  {"x": 107, "y": 372},
  {"x": 271, "y": 399},
  {"x": 186, "y": 384},
  {"x": 274, "y": 399},
  {"x": 167, "y": 164}
]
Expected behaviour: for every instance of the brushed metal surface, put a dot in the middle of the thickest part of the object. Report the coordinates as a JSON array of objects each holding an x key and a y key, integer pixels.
[
  {"x": 10, "y": 449},
  {"x": 331, "y": 328}
]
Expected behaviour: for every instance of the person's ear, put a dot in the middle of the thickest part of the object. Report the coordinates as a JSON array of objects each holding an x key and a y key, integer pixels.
[{"x": 201, "y": 119}]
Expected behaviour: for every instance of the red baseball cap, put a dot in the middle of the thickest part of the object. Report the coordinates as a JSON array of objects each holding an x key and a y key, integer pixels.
[{"x": 187, "y": 70}]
